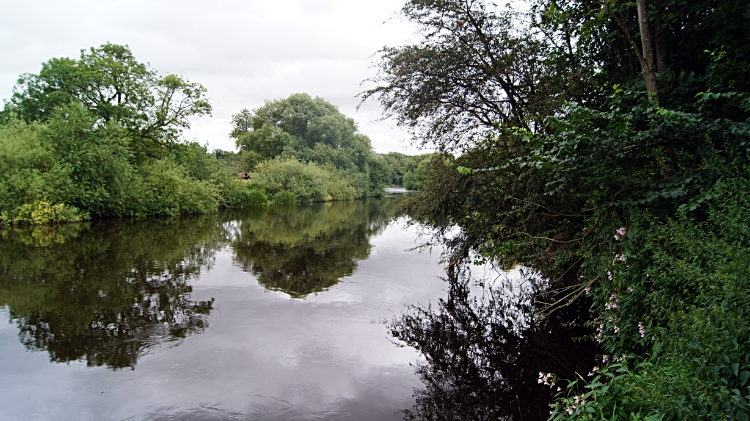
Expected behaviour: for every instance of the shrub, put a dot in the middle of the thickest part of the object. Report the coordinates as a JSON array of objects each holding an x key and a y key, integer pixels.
[
  {"x": 164, "y": 188},
  {"x": 308, "y": 182},
  {"x": 284, "y": 198},
  {"x": 30, "y": 172},
  {"x": 257, "y": 197},
  {"x": 43, "y": 212},
  {"x": 673, "y": 298}
]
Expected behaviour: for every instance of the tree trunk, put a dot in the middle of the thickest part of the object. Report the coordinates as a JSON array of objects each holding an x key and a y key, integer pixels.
[
  {"x": 661, "y": 43},
  {"x": 648, "y": 68}
]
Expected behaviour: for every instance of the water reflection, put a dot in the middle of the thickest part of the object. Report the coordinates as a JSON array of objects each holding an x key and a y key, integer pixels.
[
  {"x": 304, "y": 250},
  {"x": 483, "y": 352},
  {"x": 107, "y": 292},
  {"x": 111, "y": 291}
]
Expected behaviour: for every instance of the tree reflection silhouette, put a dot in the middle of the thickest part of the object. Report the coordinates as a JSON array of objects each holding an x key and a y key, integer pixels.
[
  {"x": 305, "y": 250},
  {"x": 109, "y": 293},
  {"x": 484, "y": 352}
]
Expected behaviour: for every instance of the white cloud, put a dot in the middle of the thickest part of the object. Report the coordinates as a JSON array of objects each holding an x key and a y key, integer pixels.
[{"x": 243, "y": 52}]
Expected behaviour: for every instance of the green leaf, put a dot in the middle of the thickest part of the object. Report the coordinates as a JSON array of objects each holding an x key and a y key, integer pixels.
[{"x": 743, "y": 377}]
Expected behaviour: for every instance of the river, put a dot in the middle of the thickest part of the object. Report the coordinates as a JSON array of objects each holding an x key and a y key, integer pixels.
[
  {"x": 278, "y": 313},
  {"x": 265, "y": 314}
]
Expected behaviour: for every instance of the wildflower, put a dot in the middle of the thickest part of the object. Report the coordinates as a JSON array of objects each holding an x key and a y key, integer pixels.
[
  {"x": 588, "y": 290},
  {"x": 641, "y": 329},
  {"x": 609, "y": 275},
  {"x": 546, "y": 378},
  {"x": 612, "y": 302},
  {"x": 630, "y": 289},
  {"x": 620, "y": 233}
]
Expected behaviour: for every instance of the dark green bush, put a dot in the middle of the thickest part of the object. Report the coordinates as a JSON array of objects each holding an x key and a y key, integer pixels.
[{"x": 164, "y": 188}]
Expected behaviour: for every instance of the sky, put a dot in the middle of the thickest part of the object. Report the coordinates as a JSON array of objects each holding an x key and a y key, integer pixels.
[{"x": 243, "y": 52}]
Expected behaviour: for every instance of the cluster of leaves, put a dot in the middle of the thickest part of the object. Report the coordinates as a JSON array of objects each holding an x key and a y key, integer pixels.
[
  {"x": 676, "y": 297},
  {"x": 290, "y": 178},
  {"x": 116, "y": 88}
]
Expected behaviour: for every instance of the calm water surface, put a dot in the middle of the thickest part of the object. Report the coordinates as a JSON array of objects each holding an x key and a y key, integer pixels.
[{"x": 257, "y": 314}]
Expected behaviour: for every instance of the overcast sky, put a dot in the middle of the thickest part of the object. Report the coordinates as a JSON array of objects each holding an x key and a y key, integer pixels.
[{"x": 243, "y": 52}]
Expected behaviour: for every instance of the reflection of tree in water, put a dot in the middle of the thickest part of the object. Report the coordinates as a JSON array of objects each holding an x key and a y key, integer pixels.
[
  {"x": 307, "y": 249},
  {"x": 483, "y": 357},
  {"x": 107, "y": 292}
]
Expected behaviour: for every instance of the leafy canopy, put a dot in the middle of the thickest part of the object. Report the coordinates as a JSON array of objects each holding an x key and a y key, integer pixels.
[
  {"x": 309, "y": 130},
  {"x": 114, "y": 87}
]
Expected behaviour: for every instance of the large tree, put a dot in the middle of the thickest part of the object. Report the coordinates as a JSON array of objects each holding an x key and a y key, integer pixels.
[
  {"x": 310, "y": 130},
  {"x": 115, "y": 87},
  {"x": 476, "y": 65}
]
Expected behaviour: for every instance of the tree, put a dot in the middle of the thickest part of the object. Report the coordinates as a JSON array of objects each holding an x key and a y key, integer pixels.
[
  {"x": 589, "y": 203},
  {"x": 474, "y": 67},
  {"x": 115, "y": 87},
  {"x": 310, "y": 130}
]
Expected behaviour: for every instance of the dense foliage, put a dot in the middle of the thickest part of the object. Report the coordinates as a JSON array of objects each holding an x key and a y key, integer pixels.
[
  {"x": 407, "y": 170},
  {"x": 115, "y": 87},
  {"x": 621, "y": 182},
  {"x": 99, "y": 136},
  {"x": 311, "y": 131}
]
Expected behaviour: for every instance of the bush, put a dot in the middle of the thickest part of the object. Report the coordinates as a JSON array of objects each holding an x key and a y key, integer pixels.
[
  {"x": 673, "y": 299},
  {"x": 30, "y": 172},
  {"x": 43, "y": 212},
  {"x": 96, "y": 156},
  {"x": 284, "y": 198},
  {"x": 164, "y": 188},
  {"x": 257, "y": 197},
  {"x": 308, "y": 182}
]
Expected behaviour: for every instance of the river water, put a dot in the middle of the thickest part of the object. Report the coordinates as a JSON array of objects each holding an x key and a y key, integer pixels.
[{"x": 262, "y": 314}]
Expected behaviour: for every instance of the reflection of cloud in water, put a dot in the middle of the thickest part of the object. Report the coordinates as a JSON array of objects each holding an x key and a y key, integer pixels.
[
  {"x": 306, "y": 250},
  {"x": 108, "y": 292},
  {"x": 326, "y": 355},
  {"x": 484, "y": 349}
]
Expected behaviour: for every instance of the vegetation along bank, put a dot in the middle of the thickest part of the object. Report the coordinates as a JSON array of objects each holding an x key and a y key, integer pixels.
[
  {"x": 101, "y": 136},
  {"x": 603, "y": 145}
]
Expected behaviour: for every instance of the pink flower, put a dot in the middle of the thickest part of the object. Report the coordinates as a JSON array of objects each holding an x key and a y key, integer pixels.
[{"x": 620, "y": 233}]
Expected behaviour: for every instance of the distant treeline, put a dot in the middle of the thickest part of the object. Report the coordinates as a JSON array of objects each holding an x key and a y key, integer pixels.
[
  {"x": 101, "y": 135},
  {"x": 304, "y": 149}
]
